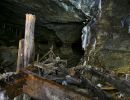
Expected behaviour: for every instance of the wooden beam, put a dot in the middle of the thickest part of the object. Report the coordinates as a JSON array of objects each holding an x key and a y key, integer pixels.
[
  {"x": 38, "y": 87},
  {"x": 43, "y": 89},
  {"x": 29, "y": 39}
]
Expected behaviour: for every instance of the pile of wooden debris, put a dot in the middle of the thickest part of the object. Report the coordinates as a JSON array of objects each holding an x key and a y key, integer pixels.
[
  {"x": 96, "y": 83},
  {"x": 50, "y": 74}
]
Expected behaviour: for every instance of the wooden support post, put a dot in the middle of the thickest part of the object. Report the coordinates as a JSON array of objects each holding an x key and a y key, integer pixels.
[
  {"x": 29, "y": 39},
  {"x": 20, "y": 59},
  {"x": 29, "y": 43},
  {"x": 26, "y": 47}
]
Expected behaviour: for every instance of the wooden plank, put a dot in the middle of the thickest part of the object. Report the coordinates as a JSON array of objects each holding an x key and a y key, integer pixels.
[
  {"x": 39, "y": 88},
  {"x": 43, "y": 89}
]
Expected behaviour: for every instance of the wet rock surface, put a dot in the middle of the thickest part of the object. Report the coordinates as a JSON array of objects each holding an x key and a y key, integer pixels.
[{"x": 112, "y": 48}]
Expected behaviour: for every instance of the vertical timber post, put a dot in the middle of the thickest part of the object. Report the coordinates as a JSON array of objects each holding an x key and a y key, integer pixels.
[
  {"x": 20, "y": 59},
  {"x": 29, "y": 43},
  {"x": 29, "y": 39},
  {"x": 26, "y": 49}
]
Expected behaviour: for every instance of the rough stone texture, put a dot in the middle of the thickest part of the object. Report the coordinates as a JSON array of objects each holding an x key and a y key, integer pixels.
[
  {"x": 55, "y": 12},
  {"x": 8, "y": 57},
  {"x": 51, "y": 10},
  {"x": 113, "y": 41},
  {"x": 67, "y": 32}
]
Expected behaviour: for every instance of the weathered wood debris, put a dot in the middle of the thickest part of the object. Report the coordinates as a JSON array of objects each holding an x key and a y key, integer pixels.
[{"x": 51, "y": 75}]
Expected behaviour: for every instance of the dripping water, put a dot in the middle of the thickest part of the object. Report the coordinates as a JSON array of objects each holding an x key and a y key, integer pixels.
[
  {"x": 100, "y": 8},
  {"x": 85, "y": 36},
  {"x": 86, "y": 31}
]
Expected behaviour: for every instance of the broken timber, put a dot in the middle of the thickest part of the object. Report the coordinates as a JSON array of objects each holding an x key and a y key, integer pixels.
[
  {"x": 26, "y": 81},
  {"x": 39, "y": 87},
  {"x": 43, "y": 89}
]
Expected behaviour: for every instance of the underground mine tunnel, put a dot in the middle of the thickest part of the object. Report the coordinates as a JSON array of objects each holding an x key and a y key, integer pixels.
[{"x": 64, "y": 50}]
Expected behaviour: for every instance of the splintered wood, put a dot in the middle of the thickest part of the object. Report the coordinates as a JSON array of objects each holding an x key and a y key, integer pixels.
[
  {"x": 50, "y": 63},
  {"x": 29, "y": 39}
]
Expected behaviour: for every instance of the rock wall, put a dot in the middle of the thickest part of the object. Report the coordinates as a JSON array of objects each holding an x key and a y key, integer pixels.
[{"x": 113, "y": 40}]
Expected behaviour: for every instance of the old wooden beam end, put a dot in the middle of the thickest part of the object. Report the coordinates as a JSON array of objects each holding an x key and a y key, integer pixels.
[{"x": 43, "y": 89}]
